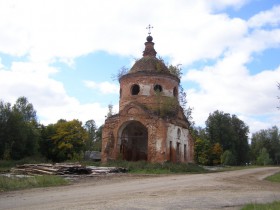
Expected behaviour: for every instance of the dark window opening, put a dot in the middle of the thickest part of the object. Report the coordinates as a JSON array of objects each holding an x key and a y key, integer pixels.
[
  {"x": 175, "y": 92},
  {"x": 178, "y": 152},
  {"x": 120, "y": 92},
  {"x": 178, "y": 133},
  {"x": 185, "y": 152},
  {"x": 170, "y": 151},
  {"x": 157, "y": 88},
  {"x": 135, "y": 89}
]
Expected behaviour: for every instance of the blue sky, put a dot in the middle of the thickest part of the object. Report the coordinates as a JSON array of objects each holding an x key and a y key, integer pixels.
[{"x": 62, "y": 55}]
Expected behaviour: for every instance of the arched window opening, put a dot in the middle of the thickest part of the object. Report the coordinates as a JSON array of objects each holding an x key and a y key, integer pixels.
[
  {"x": 157, "y": 88},
  {"x": 175, "y": 92},
  {"x": 178, "y": 133},
  {"x": 135, "y": 89}
]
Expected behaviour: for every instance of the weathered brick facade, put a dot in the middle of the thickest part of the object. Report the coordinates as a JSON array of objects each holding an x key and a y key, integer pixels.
[{"x": 150, "y": 125}]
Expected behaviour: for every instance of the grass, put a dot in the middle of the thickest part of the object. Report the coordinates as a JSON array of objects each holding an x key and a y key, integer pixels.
[
  {"x": 274, "y": 178},
  {"x": 15, "y": 183},
  {"x": 6, "y": 165},
  {"x": 143, "y": 167},
  {"x": 269, "y": 206}
]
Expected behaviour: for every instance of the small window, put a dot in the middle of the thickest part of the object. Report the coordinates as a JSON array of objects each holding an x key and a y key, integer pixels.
[
  {"x": 178, "y": 133},
  {"x": 135, "y": 89},
  {"x": 175, "y": 92},
  {"x": 157, "y": 88},
  {"x": 120, "y": 92}
]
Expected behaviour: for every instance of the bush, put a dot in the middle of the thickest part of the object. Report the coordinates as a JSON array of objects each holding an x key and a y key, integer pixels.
[
  {"x": 228, "y": 158},
  {"x": 263, "y": 158}
]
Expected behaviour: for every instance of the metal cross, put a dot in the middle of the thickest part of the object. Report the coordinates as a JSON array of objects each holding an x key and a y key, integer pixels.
[{"x": 149, "y": 29}]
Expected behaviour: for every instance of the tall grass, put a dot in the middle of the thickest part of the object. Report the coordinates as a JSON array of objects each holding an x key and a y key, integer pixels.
[
  {"x": 15, "y": 183},
  {"x": 143, "y": 167}
]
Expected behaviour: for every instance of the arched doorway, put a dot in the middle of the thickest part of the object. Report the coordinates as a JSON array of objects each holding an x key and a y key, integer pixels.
[{"x": 134, "y": 141}]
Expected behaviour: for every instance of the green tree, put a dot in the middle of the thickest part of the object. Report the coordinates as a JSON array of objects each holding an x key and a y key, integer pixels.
[
  {"x": 230, "y": 132},
  {"x": 228, "y": 158},
  {"x": 19, "y": 130},
  {"x": 47, "y": 146},
  {"x": 91, "y": 128},
  {"x": 202, "y": 151},
  {"x": 268, "y": 139},
  {"x": 98, "y": 139},
  {"x": 69, "y": 139},
  {"x": 263, "y": 158}
]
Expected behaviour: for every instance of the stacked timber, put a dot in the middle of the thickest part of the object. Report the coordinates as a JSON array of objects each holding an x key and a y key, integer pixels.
[{"x": 64, "y": 169}]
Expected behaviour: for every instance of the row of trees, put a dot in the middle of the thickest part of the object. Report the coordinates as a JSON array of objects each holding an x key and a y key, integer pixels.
[
  {"x": 224, "y": 140},
  {"x": 21, "y": 135}
]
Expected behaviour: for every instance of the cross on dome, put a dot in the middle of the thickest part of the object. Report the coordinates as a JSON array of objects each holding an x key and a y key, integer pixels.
[{"x": 149, "y": 29}]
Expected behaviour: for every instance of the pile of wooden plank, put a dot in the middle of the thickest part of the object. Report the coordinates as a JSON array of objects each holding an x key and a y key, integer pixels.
[{"x": 64, "y": 169}]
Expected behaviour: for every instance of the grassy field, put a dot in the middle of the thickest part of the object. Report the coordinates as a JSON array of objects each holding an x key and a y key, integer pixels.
[
  {"x": 268, "y": 206},
  {"x": 274, "y": 178},
  {"x": 142, "y": 167},
  {"x": 14, "y": 183},
  {"x": 139, "y": 167}
]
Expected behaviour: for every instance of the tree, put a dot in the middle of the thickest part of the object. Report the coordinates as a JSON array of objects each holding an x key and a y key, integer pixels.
[
  {"x": 19, "y": 130},
  {"x": 69, "y": 140},
  {"x": 263, "y": 158},
  {"x": 47, "y": 146},
  {"x": 228, "y": 158},
  {"x": 183, "y": 102},
  {"x": 202, "y": 151},
  {"x": 268, "y": 139},
  {"x": 98, "y": 139},
  {"x": 216, "y": 153},
  {"x": 91, "y": 129},
  {"x": 230, "y": 132}
]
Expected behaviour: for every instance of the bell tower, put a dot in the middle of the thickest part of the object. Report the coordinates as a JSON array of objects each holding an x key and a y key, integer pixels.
[{"x": 150, "y": 124}]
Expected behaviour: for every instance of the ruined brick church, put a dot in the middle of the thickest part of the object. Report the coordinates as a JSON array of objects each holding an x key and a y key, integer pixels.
[{"x": 151, "y": 124}]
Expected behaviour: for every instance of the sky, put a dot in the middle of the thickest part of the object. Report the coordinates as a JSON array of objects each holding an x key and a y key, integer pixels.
[{"x": 63, "y": 54}]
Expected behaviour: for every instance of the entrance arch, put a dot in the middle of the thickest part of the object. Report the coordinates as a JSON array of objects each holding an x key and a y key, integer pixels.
[{"x": 134, "y": 141}]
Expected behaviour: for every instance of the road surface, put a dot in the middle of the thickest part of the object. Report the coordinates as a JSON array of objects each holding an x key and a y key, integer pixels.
[{"x": 224, "y": 190}]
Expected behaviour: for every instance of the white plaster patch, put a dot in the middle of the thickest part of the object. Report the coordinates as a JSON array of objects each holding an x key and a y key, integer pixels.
[
  {"x": 145, "y": 89},
  {"x": 158, "y": 145}
]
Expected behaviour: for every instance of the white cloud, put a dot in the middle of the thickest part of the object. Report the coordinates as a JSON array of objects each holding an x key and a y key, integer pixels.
[
  {"x": 269, "y": 17},
  {"x": 47, "y": 95},
  {"x": 103, "y": 87},
  {"x": 187, "y": 31}
]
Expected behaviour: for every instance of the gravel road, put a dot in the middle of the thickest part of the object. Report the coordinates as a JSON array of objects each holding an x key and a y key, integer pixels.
[{"x": 224, "y": 190}]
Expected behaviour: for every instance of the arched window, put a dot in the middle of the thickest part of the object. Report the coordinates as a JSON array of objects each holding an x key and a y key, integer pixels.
[
  {"x": 178, "y": 133},
  {"x": 157, "y": 88},
  {"x": 175, "y": 92},
  {"x": 135, "y": 89}
]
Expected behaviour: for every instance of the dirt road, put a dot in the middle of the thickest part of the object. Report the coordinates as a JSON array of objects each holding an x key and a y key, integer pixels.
[{"x": 226, "y": 190}]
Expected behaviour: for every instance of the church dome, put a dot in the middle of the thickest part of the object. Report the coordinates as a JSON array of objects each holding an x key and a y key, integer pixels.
[{"x": 149, "y": 62}]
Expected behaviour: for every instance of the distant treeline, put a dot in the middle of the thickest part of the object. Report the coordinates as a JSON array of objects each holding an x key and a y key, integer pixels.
[{"x": 224, "y": 140}]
